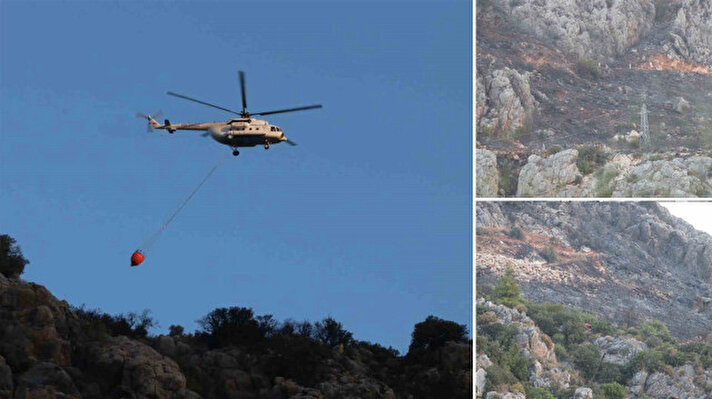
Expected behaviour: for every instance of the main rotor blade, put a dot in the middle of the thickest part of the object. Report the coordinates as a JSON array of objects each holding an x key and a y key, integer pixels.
[
  {"x": 170, "y": 93},
  {"x": 242, "y": 89},
  {"x": 290, "y": 142},
  {"x": 287, "y": 110}
]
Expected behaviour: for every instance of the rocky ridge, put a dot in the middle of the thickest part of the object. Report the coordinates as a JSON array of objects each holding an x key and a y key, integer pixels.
[{"x": 49, "y": 350}]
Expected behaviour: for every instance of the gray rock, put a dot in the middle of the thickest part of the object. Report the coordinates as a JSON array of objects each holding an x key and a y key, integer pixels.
[
  {"x": 546, "y": 177},
  {"x": 505, "y": 102},
  {"x": 44, "y": 376},
  {"x": 691, "y": 33},
  {"x": 583, "y": 393},
  {"x": 681, "y": 105},
  {"x": 619, "y": 350},
  {"x": 487, "y": 173},
  {"x": 480, "y": 381},
  {"x": 592, "y": 29}
]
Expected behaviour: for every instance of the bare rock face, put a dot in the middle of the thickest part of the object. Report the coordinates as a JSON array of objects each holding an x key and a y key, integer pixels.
[
  {"x": 45, "y": 379},
  {"x": 691, "y": 33},
  {"x": 547, "y": 177},
  {"x": 593, "y": 29},
  {"x": 136, "y": 367},
  {"x": 678, "y": 177},
  {"x": 682, "y": 384},
  {"x": 619, "y": 350},
  {"x": 508, "y": 395},
  {"x": 6, "y": 384},
  {"x": 504, "y": 102},
  {"x": 487, "y": 173}
]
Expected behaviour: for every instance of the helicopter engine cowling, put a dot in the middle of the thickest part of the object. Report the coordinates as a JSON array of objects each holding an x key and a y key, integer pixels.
[{"x": 218, "y": 134}]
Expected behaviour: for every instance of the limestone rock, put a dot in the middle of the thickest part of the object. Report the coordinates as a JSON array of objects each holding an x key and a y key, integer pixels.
[
  {"x": 487, "y": 173},
  {"x": 691, "y": 33},
  {"x": 480, "y": 382},
  {"x": 681, "y": 105},
  {"x": 508, "y": 395},
  {"x": 505, "y": 102},
  {"x": 546, "y": 177},
  {"x": 583, "y": 393},
  {"x": 619, "y": 350},
  {"x": 592, "y": 29}
]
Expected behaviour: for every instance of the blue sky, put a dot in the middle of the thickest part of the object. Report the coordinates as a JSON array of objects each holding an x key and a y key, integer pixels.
[{"x": 368, "y": 220}]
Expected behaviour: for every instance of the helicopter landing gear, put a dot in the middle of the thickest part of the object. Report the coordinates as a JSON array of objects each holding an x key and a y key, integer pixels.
[
  {"x": 267, "y": 145},
  {"x": 235, "y": 152}
]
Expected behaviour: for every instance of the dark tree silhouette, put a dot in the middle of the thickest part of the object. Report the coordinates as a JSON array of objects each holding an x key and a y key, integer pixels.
[
  {"x": 231, "y": 326},
  {"x": 12, "y": 263},
  {"x": 332, "y": 333},
  {"x": 434, "y": 332}
]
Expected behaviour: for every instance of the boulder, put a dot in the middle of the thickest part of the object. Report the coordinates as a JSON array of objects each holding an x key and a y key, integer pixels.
[
  {"x": 619, "y": 350},
  {"x": 583, "y": 393},
  {"x": 487, "y": 173},
  {"x": 546, "y": 177},
  {"x": 134, "y": 367}
]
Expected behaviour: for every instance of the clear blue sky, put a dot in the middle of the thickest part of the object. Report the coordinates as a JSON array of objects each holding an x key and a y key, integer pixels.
[{"x": 368, "y": 220}]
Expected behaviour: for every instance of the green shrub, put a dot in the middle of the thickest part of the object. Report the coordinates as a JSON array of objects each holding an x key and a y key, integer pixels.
[
  {"x": 518, "y": 365},
  {"x": 613, "y": 390},
  {"x": 554, "y": 149},
  {"x": 516, "y": 232},
  {"x": 656, "y": 329},
  {"x": 539, "y": 393},
  {"x": 549, "y": 254},
  {"x": 603, "y": 180},
  {"x": 587, "y": 358},
  {"x": 588, "y": 67},
  {"x": 486, "y": 318},
  {"x": 498, "y": 376},
  {"x": 650, "y": 360},
  {"x": 610, "y": 372},
  {"x": 590, "y": 156}
]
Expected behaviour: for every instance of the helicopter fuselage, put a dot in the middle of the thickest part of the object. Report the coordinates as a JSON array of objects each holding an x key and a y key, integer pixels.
[{"x": 243, "y": 132}]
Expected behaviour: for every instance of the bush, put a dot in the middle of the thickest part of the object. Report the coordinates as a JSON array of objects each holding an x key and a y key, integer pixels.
[
  {"x": 99, "y": 325},
  {"x": 516, "y": 232},
  {"x": 610, "y": 372},
  {"x": 590, "y": 156},
  {"x": 553, "y": 150},
  {"x": 649, "y": 360},
  {"x": 507, "y": 292},
  {"x": 587, "y": 358},
  {"x": 231, "y": 326},
  {"x": 588, "y": 67},
  {"x": 613, "y": 390},
  {"x": 176, "y": 330},
  {"x": 656, "y": 329},
  {"x": 434, "y": 332},
  {"x": 549, "y": 254},
  {"x": 332, "y": 333},
  {"x": 518, "y": 365},
  {"x": 539, "y": 393},
  {"x": 12, "y": 263},
  {"x": 498, "y": 376}
]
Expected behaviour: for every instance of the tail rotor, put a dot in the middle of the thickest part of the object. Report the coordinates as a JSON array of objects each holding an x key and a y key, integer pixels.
[{"x": 151, "y": 120}]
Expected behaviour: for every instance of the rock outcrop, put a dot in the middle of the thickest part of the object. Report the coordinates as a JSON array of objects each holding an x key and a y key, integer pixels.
[
  {"x": 533, "y": 345},
  {"x": 592, "y": 29},
  {"x": 547, "y": 177},
  {"x": 691, "y": 32},
  {"x": 487, "y": 173},
  {"x": 505, "y": 104},
  {"x": 679, "y": 177},
  {"x": 619, "y": 350}
]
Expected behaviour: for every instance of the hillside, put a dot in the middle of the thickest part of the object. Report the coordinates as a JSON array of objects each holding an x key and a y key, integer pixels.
[
  {"x": 559, "y": 75},
  {"x": 545, "y": 351},
  {"x": 50, "y": 349},
  {"x": 626, "y": 261}
]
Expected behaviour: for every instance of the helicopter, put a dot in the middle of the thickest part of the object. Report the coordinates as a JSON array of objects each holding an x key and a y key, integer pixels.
[{"x": 244, "y": 131}]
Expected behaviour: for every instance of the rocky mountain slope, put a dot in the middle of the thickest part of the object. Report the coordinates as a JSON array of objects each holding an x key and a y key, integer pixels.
[
  {"x": 49, "y": 349},
  {"x": 624, "y": 261},
  {"x": 559, "y": 74},
  {"x": 556, "y": 352}
]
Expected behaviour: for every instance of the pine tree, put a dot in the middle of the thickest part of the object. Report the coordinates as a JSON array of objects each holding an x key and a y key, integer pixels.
[{"x": 507, "y": 292}]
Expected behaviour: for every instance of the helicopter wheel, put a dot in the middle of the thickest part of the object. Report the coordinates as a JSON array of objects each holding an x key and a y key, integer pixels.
[
  {"x": 267, "y": 146},
  {"x": 235, "y": 152}
]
